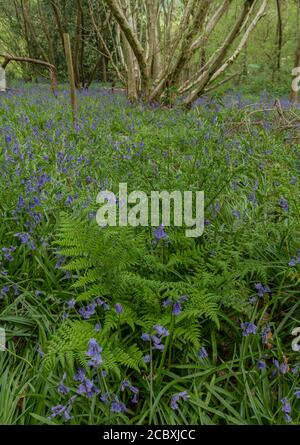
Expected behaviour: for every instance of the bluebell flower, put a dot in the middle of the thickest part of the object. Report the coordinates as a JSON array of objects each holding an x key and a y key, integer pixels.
[
  {"x": 159, "y": 346},
  {"x": 261, "y": 364},
  {"x": 105, "y": 397},
  {"x": 286, "y": 409},
  {"x": 252, "y": 299},
  {"x": 71, "y": 303},
  {"x": 161, "y": 330},
  {"x": 160, "y": 234},
  {"x": 145, "y": 337},
  {"x": 99, "y": 302},
  {"x": 4, "y": 291},
  {"x": 87, "y": 312},
  {"x": 284, "y": 368},
  {"x": 7, "y": 252},
  {"x": 105, "y": 306},
  {"x": 63, "y": 389},
  {"x": 295, "y": 260},
  {"x": 119, "y": 309},
  {"x": 69, "y": 200},
  {"x": 283, "y": 203},
  {"x": 60, "y": 410},
  {"x": 265, "y": 334},
  {"x": 156, "y": 340},
  {"x": 135, "y": 392},
  {"x": 88, "y": 388},
  {"x": 60, "y": 261},
  {"x": 94, "y": 352},
  {"x": 147, "y": 358},
  {"x": 21, "y": 203},
  {"x": 252, "y": 198},
  {"x": 124, "y": 384},
  {"x": 176, "y": 308},
  {"x": 262, "y": 290},
  {"x": 79, "y": 376},
  {"x": 98, "y": 327},
  {"x": 118, "y": 407},
  {"x": 248, "y": 328},
  {"x": 202, "y": 354},
  {"x": 8, "y": 139},
  {"x": 276, "y": 364},
  {"x": 181, "y": 395},
  {"x": 297, "y": 393}
]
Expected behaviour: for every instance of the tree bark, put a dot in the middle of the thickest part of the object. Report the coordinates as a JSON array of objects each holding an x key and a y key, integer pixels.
[
  {"x": 52, "y": 69},
  {"x": 133, "y": 41},
  {"x": 215, "y": 61},
  {"x": 296, "y": 72}
]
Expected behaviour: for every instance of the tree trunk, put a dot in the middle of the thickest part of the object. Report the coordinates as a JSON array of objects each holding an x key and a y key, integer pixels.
[
  {"x": 279, "y": 35},
  {"x": 2, "y": 80},
  {"x": 296, "y": 72}
]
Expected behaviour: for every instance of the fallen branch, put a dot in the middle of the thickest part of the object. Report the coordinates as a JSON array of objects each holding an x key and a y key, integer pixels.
[{"x": 52, "y": 69}]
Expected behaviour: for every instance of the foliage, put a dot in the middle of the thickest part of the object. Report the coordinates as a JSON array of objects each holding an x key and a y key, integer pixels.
[{"x": 239, "y": 271}]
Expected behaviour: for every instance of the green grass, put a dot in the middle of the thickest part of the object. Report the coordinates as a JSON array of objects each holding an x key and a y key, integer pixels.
[{"x": 231, "y": 155}]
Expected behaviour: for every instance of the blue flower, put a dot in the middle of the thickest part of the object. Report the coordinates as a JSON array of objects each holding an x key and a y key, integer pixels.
[
  {"x": 261, "y": 364},
  {"x": 71, "y": 303},
  {"x": 119, "y": 309},
  {"x": 265, "y": 334},
  {"x": 97, "y": 327},
  {"x": 284, "y": 367},
  {"x": 63, "y": 389},
  {"x": 286, "y": 409},
  {"x": 252, "y": 299},
  {"x": 236, "y": 213},
  {"x": 105, "y": 397},
  {"x": 124, "y": 384},
  {"x": 176, "y": 308},
  {"x": 80, "y": 375},
  {"x": 26, "y": 239},
  {"x": 202, "y": 354},
  {"x": 60, "y": 410},
  {"x": 118, "y": 407},
  {"x": 69, "y": 200},
  {"x": 283, "y": 203},
  {"x": 7, "y": 251},
  {"x": 295, "y": 260},
  {"x": 147, "y": 358},
  {"x": 160, "y": 234},
  {"x": 161, "y": 330},
  {"x": 94, "y": 352},
  {"x": 297, "y": 393},
  {"x": 87, "y": 312},
  {"x": 88, "y": 388},
  {"x": 145, "y": 337},
  {"x": 262, "y": 290},
  {"x": 248, "y": 328},
  {"x": 181, "y": 395},
  {"x": 4, "y": 291}
]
